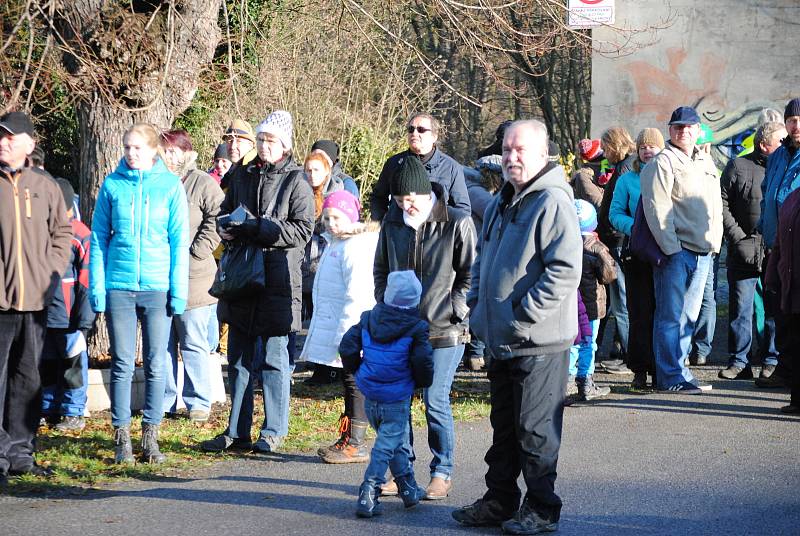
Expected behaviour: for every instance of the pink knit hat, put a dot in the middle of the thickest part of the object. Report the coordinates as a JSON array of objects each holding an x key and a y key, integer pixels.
[{"x": 345, "y": 202}]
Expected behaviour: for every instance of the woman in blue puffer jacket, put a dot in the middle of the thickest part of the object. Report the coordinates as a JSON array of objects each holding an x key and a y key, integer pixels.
[{"x": 139, "y": 270}]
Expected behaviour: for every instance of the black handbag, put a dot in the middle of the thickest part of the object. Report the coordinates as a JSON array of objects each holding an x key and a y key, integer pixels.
[{"x": 240, "y": 273}]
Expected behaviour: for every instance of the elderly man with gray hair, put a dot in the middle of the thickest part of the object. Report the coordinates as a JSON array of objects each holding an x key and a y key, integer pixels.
[
  {"x": 741, "y": 210},
  {"x": 525, "y": 309}
]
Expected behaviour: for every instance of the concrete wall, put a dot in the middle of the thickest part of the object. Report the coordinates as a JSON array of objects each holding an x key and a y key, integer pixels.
[{"x": 728, "y": 58}]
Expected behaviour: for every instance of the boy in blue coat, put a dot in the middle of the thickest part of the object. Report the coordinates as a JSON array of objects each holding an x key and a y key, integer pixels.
[{"x": 389, "y": 353}]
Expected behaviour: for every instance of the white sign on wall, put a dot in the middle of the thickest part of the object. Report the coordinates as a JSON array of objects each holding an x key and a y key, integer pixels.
[{"x": 590, "y": 13}]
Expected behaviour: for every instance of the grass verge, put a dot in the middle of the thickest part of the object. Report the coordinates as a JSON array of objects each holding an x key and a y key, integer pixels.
[{"x": 84, "y": 461}]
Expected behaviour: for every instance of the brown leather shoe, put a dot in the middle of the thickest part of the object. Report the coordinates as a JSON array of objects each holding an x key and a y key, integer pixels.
[
  {"x": 389, "y": 489},
  {"x": 438, "y": 489}
]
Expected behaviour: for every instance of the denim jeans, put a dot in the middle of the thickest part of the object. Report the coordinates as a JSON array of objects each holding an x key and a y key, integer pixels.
[
  {"x": 190, "y": 332},
  {"x": 390, "y": 421},
  {"x": 438, "y": 413},
  {"x": 617, "y": 295},
  {"x": 707, "y": 319},
  {"x": 249, "y": 356},
  {"x": 581, "y": 356},
  {"x": 124, "y": 309},
  {"x": 742, "y": 287},
  {"x": 475, "y": 347},
  {"x": 65, "y": 380},
  {"x": 678, "y": 286},
  {"x": 213, "y": 329}
]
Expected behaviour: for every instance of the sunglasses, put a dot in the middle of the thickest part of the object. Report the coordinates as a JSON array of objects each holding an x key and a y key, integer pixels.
[{"x": 421, "y": 130}]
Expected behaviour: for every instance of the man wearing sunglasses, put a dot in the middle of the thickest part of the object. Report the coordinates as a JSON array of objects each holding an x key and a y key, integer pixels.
[{"x": 422, "y": 133}]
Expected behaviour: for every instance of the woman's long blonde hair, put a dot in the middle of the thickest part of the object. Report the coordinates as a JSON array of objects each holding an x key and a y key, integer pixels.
[
  {"x": 617, "y": 144},
  {"x": 150, "y": 133}
]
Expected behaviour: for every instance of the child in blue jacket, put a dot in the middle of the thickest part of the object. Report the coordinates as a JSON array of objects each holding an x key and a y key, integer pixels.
[
  {"x": 389, "y": 353},
  {"x": 65, "y": 362}
]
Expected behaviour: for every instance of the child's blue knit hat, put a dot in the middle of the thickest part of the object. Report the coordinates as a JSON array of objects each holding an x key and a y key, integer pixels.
[
  {"x": 403, "y": 289},
  {"x": 587, "y": 216}
]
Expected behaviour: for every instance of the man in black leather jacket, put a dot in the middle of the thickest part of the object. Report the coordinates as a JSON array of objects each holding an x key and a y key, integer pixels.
[{"x": 421, "y": 233}]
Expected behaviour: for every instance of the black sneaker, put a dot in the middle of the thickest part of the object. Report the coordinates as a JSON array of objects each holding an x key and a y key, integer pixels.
[
  {"x": 769, "y": 379},
  {"x": 33, "y": 470},
  {"x": 736, "y": 373},
  {"x": 482, "y": 513},
  {"x": 682, "y": 388},
  {"x": 527, "y": 521},
  {"x": 639, "y": 382},
  {"x": 222, "y": 443},
  {"x": 698, "y": 360}
]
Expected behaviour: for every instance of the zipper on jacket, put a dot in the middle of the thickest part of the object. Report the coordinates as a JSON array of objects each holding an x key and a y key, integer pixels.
[
  {"x": 146, "y": 214},
  {"x": 18, "y": 218},
  {"x": 138, "y": 236},
  {"x": 27, "y": 203}
]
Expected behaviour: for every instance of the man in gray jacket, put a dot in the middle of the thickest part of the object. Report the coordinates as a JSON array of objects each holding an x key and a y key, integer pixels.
[{"x": 525, "y": 308}]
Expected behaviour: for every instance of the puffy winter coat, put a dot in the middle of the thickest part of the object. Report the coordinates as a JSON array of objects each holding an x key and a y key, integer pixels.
[
  {"x": 70, "y": 308},
  {"x": 342, "y": 291},
  {"x": 283, "y": 232},
  {"x": 598, "y": 270},
  {"x": 140, "y": 236},
  {"x": 781, "y": 178},
  {"x": 396, "y": 353}
]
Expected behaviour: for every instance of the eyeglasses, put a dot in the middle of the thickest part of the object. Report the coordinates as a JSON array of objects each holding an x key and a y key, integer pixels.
[{"x": 421, "y": 130}]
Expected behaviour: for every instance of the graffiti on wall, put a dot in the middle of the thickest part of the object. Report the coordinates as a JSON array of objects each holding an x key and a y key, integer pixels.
[{"x": 658, "y": 91}]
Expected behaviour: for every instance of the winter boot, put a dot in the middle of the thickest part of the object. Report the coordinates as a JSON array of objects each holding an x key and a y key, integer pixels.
[
  {"x": 150, "y": 452},
  {"x": 409, "y": 491},
  {"x": 351, "y": 447},
  {"x": 368, "y": 504},
  {"x": 323, "y": 375},
  {"x": 123, "y": 450},
  {"x": 588, "y": 390}
]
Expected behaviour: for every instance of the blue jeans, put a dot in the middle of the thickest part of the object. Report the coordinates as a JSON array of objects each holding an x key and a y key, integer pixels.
[
  {"x": 617, "y": 294},
  {"x": 190, "y": 331},
  {"x": 124, "y": 309},
  {"x": 438, "y": 413},
  {"x": 64, "y": 380},
  {"x": 742, "y": 287},
  {"x": 248, "y": 356},
  {"x": 707, "y": 320},
  {"x": 213, "y": 329},
  {"x": 390, "y": 421},
  {"x": 678, "y": 286},
  {"x": 581, "y": 356}
]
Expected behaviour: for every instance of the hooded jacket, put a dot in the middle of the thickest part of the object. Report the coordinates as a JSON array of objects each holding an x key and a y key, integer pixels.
[
  {"x": 35, "y": 239},
  {"x": 525, "y": 280},
  {"x": 283, "y": 232},
  {"x": 441, "y": 169},
  {"x": 597, "y": 270},
  {"x": 396, "y": 353},
  {"x": 440, "y": 252},
  {"x": 140, "y": 236},
  {"x": 342, "y": 290}
]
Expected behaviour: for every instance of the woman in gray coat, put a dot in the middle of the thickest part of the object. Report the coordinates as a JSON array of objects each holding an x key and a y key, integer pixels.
[{"x": 190, "y": 330}]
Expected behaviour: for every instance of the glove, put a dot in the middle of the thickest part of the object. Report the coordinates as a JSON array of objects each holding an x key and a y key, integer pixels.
[{"x": 246, "y": 229}]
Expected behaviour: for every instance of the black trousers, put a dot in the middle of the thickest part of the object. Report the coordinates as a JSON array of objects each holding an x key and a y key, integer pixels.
[
  {"x": 641, "y": 302},
  {"x": 353, "y": 398},
  {"x": 21, "y": 343},
  {"x": 527, "y": 397},
  {"x": 792, "y": 356}
]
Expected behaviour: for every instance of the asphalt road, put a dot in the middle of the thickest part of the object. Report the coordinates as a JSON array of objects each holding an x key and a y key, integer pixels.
[{"x": 718, "y": 463}]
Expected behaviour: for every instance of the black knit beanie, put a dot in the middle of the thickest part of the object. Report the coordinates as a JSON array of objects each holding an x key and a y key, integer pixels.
[
  {"x": 411, "y": 178},
  {"x": 792, "y": 109},
  {"x": 329, "y": 147},
  {"x": 222, "y": 152}
]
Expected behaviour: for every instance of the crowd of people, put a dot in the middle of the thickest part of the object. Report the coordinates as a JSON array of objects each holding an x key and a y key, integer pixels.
[{"x": 510, "y": 266}]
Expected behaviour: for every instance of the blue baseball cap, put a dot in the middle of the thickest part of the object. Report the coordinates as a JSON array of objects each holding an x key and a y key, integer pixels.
[{"x": 684, "y": 115}]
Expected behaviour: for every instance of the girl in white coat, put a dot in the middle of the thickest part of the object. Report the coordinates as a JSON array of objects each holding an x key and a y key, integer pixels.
[{"x": 343, "y": 289}]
